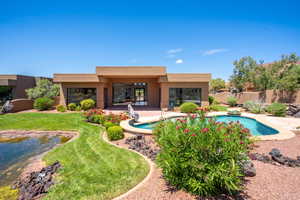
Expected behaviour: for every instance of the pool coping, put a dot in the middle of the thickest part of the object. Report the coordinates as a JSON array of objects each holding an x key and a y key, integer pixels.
[{"x": 282, "y": 135}]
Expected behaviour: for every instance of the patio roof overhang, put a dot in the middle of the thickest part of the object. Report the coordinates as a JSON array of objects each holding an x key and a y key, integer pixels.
[
  {"x": 184, "y": 77},
  {"x": 76, "y": 78},
  {"x": 131, "y": 71},
  {"x": 8, "y": 80}
]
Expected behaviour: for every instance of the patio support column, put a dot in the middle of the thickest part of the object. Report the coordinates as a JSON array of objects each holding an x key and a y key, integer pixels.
[
  {"x": 100, "y": 96},
  {"x": 204, "y": 95},
  {"x": 62, "y": 92},
  {"x": 164, "y": 95}
]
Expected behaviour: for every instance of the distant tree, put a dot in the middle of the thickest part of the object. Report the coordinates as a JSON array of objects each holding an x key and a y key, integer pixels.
[
  {"x": 217, "y": 84},
  {"x": 243, "y": 72},
  {"x": 44, "y": 88}
]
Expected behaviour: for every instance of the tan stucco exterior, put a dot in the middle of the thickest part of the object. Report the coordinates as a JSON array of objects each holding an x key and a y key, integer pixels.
[
  {"x": 19, "y": 84},
  {"x": 158, "y": 83}
]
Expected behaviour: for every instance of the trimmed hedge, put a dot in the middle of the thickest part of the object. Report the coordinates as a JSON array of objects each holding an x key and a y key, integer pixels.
[
  {"x": 43, "y": 103},
  {"x": 72, "y": 106},
  {"x": 61, "y": 108},
  {"x": 188, "y": 107},
  {"x": 108, "y": 124},
  {"x": 87, "y": 104},
  {"x": 115, "y": 133}
]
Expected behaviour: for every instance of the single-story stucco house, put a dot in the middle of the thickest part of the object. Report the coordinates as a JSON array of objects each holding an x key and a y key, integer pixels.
[
  {"x": 148, "y": 86},
  {"x": 14, "y": 86}
]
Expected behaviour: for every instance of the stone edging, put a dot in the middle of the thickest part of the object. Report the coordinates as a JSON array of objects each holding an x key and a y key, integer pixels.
[
  {"x": 126, "y": 124},
  {"x": 283, "y": 132},
  {"x": 150, "y": 163},
  {"x": 282, "y": 135}
]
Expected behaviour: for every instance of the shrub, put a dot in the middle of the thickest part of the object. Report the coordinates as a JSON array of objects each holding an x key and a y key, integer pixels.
[
  {"x": 234, "y": 112},
  {"x": 108, "y": 124},
  {"x": 87, "y": 104},
  {"x": 232, "y": 101},
  {"x": 254, "y": 107},
  {"x": 43, "y": 103},
  {"x": 78, "y": 108},
  {"x": 211, "y": 100},
  {"x": 202, "y": 156},
  {"x": 44, "y": 88},
  {"x": 188, "y": 107},
  {"x": 99, "y": 119},
  {"x": 61, "y": 108},
  {"x": 115, "y": 133},
  {"x": 277, "y": 109},
  {"x": 215, "y": 107},
  {"x": 116, "y": 118},
  {"x": 72, "y": 106}
]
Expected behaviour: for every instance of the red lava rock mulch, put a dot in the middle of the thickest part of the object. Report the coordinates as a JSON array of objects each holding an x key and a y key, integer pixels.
[{"x": 270, "y": 183}]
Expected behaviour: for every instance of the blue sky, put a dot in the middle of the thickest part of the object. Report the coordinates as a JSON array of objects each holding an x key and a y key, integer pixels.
[{"x": 46, "y": 37}]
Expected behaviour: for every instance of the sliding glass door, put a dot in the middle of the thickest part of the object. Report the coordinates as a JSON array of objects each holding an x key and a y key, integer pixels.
[
  {"x": 126, "y": 93},
  {"x": 177, "y": 96}
]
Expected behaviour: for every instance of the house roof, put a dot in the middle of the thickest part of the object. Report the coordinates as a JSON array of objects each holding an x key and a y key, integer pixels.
[
  {"x": 103, "y": 72},
  {"x": 125, "y": 71},
  {"x": 75, "y": 78},
  {"x": 185, "y": 77}
]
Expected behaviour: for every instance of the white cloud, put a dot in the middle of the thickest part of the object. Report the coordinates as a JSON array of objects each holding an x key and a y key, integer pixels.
[
  {"x": 213, "y": 51},
  {"x": 174, "y": 51},
  {"x": 179, "y": 61}
]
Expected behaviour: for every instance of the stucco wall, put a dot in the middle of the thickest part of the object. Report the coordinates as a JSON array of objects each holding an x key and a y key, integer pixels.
[
  {"x": 165, "y": 91},
  {"x": 22, "y": 104},
  {"x": 267, "y": 97}
]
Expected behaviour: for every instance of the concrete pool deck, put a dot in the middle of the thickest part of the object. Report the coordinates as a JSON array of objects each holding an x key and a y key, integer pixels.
[{"x": 284, "y": 125}]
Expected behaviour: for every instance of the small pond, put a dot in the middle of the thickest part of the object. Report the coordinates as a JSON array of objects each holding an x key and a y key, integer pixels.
[
  {"x": 256, "y": 128},
  {"x": 15, "y": 152}
]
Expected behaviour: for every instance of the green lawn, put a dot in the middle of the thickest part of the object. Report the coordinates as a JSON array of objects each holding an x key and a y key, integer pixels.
[{"x": 92, "y": 169}]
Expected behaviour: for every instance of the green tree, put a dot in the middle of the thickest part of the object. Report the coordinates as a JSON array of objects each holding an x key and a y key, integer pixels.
[
  {"x": 44, "y": 88},
  {"x": 243, "y": 72},
  {"x": 217, "y": 84},
  {"x": 286, "y": 73}
]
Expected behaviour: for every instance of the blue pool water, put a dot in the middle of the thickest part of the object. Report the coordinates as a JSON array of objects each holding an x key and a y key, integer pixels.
[{"x": 256, "y": 128}]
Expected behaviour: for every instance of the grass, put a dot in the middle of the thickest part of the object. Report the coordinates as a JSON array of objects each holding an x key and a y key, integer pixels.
[
  {"x": 6, "y": 193},
  {"x": 216, "y": 107},
  {"x": 92, "y": 169}
]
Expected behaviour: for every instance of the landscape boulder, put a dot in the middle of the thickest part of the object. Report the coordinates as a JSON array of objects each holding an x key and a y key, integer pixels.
[{"x": 36, "y": 183}]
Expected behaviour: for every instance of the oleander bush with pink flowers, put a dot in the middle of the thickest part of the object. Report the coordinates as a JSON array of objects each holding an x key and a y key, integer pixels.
[{"x": 201, "y": 155}]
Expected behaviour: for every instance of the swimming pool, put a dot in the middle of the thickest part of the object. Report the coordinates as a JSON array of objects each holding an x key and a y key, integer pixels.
[{"x": 256, "y": 128}]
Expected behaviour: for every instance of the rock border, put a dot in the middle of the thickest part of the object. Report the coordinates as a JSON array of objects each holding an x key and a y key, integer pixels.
[
  {"x": 38, "y": 159},
  {"x": 140, "y": 184}
]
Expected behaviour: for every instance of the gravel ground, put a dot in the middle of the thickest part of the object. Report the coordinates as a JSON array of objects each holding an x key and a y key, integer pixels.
[{"x": 271, "y": 182}]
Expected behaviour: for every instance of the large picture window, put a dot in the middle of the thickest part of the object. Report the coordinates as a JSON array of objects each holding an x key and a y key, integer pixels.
[
  {"x": 75, "y": 95},
  {"x": 178, "y": 96}
]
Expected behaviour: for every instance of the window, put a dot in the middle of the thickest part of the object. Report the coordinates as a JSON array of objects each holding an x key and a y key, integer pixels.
[
  {"x": 75, "y": 95},
  {"x": 177, "y": 96}
]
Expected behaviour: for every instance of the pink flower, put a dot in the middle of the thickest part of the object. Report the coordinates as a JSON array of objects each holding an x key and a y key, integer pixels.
[
  {"x": 194, "y": 116},
  {"x": 186, "y": 130},
  {"x": 245, "y": 130},
  {"x": 193, "y": 134},
  {"x": 241, "y": 142},
  {"x": 204, "y": 130},
  {"x": 178, "y": 127}
]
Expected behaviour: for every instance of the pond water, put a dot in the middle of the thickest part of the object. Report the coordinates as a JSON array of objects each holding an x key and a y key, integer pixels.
[
  {"x": 256, "y": 128},
  {"x": 15, "y": 152}
]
